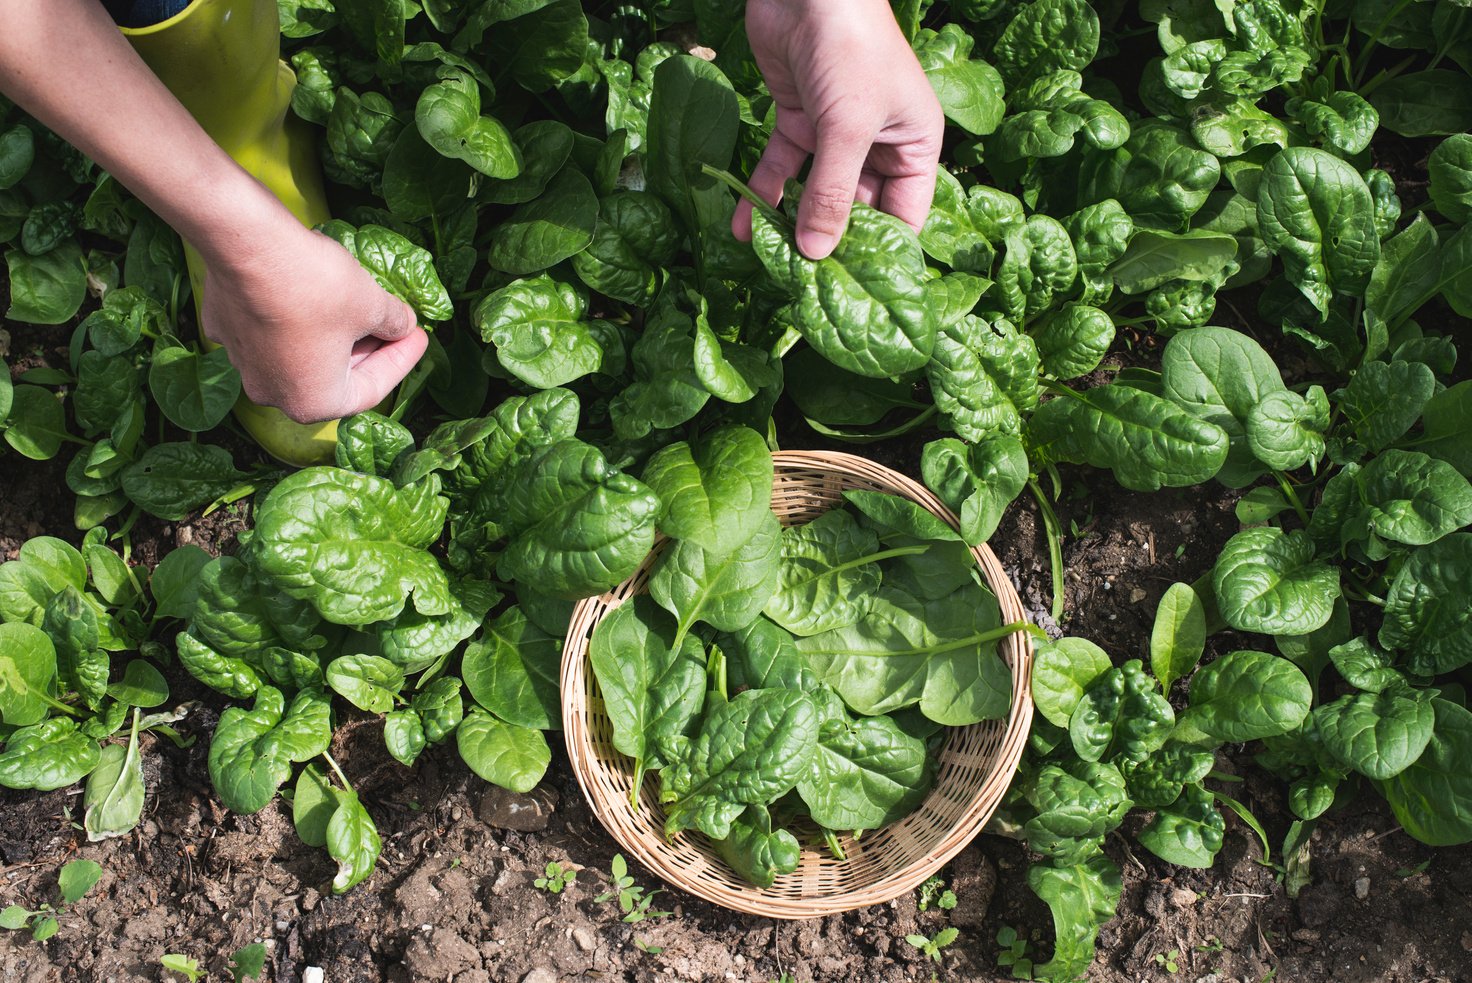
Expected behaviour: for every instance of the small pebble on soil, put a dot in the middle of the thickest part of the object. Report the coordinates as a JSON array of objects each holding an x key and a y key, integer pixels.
[{"x": 527, "y": 813}]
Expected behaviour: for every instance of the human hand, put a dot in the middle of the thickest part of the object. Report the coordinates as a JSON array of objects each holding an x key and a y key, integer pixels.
[
  {"x": 850, "y": 92},
  {"x": 309, "y": 329}
]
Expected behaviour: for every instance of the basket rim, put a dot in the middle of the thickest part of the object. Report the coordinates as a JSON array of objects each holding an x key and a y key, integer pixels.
[{"x": 650, "y": 848}]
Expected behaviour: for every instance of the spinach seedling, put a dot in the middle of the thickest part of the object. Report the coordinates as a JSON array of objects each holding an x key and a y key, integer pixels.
[
  {"x": 555, "y": 877},
  {"x": 1013, "y": 954},
  {"x": 248, "y": 962},
  {"x": 77, "y": 877}
]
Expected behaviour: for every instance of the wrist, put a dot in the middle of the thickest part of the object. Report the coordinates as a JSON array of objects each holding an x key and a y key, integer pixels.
[{"x": 236, "y": 224}]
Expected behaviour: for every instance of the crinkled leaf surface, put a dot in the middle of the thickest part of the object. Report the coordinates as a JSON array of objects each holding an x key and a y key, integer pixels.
[
  {"x": 1268, "y": 581},
  {"x": 414, "y": 640},
  {"x": 977, "y": 482},
  {"x": 252, "y": 751},
  {"x": 49, "y": 755},
  {"x": 353, "y": 545},
  {"x": 984, "y": 377},
  {"x": 1187, "y": 833},
  {"x": 1383, "y": 400},
  {"x": 1316, "y": 213},
  {"x": 579, "y": 525},
  {"x": 369, "y": 442},
  {"x": 716, "y": 491},
  {"x": 864, "y": 773},
  {"x": 1047, "y": 36},
  {"x": 752, "y": 749},
  {"x": 864, "y": 306},
  {"x": 1147, "y": 441},
  {"x": 634, "y": 238},
  {"x": 1072, "y": 341},
  {"x": 538, "y": 331},
  {"x": 1426, "y": 616},
  {"x": 403, "y": 269},
  {"x": 1378, "y": 735}
]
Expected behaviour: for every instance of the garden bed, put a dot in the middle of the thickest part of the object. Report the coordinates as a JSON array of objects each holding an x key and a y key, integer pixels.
[
  {"x": 1217, "y": 253},
  {"x": 453, "y": 897}
]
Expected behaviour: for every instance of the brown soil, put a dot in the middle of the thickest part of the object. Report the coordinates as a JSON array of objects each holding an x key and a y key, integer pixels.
[{"x": 453, "y": 898}]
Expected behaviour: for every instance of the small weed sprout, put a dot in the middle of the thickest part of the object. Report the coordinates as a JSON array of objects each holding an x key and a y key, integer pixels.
[
  {"x": 1407, "y": 872},
  {"x": 77, "y": 877},
  {"x": 633, "y": 901},
  {"x": 185, "y": 966},
  {"x": 555, "y": 877},
  {"x": 931, "y": 947},
  {"x": 934, "y": 893},
  {"x": 648, "y": 947},
  {"x": 1169, "y": 961}
]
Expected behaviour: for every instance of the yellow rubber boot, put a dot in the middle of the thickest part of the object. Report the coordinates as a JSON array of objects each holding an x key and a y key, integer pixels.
[{"x": 222, "y": 60}]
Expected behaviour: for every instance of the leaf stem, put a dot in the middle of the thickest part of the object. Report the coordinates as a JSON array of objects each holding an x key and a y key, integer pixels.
[
  {"x": 744, "y": 190},
  {"x": 1053, "y": 530},
  {"x": 874, "y": 558},
  {"x": 1292, "y": 496},
  {"x": 56, "y": 704},
  {"x": 1363, "y": 62},
  {"x": 980, "y": 638},
  {"x": 1245, "y": 814},
  {"x": 340, "y": 776}
]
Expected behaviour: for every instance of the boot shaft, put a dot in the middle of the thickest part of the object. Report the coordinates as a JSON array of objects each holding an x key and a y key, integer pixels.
[{"x": 222, "y": 60}]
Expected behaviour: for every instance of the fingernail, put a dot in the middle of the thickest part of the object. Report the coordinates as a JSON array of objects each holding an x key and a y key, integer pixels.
[{"x": 816, "y": 245}]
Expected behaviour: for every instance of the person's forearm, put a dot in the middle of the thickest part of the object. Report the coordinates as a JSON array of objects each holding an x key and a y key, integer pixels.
[{"x": 66, "y": 63}]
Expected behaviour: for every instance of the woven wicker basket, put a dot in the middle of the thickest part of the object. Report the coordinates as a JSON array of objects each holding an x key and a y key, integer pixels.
[{"x": 976, "y": 764}]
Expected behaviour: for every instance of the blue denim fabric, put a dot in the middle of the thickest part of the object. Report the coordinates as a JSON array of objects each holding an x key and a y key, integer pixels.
[{"x": 142, "y": 13}]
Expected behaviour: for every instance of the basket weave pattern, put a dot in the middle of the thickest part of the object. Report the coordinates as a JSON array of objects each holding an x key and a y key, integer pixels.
[{"x": 975, "y": 766}]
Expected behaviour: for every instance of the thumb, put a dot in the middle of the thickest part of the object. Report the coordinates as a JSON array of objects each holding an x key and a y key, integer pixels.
[
  {"x": 376, "y": 375},
  {"x": 395, "y": 319}
]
